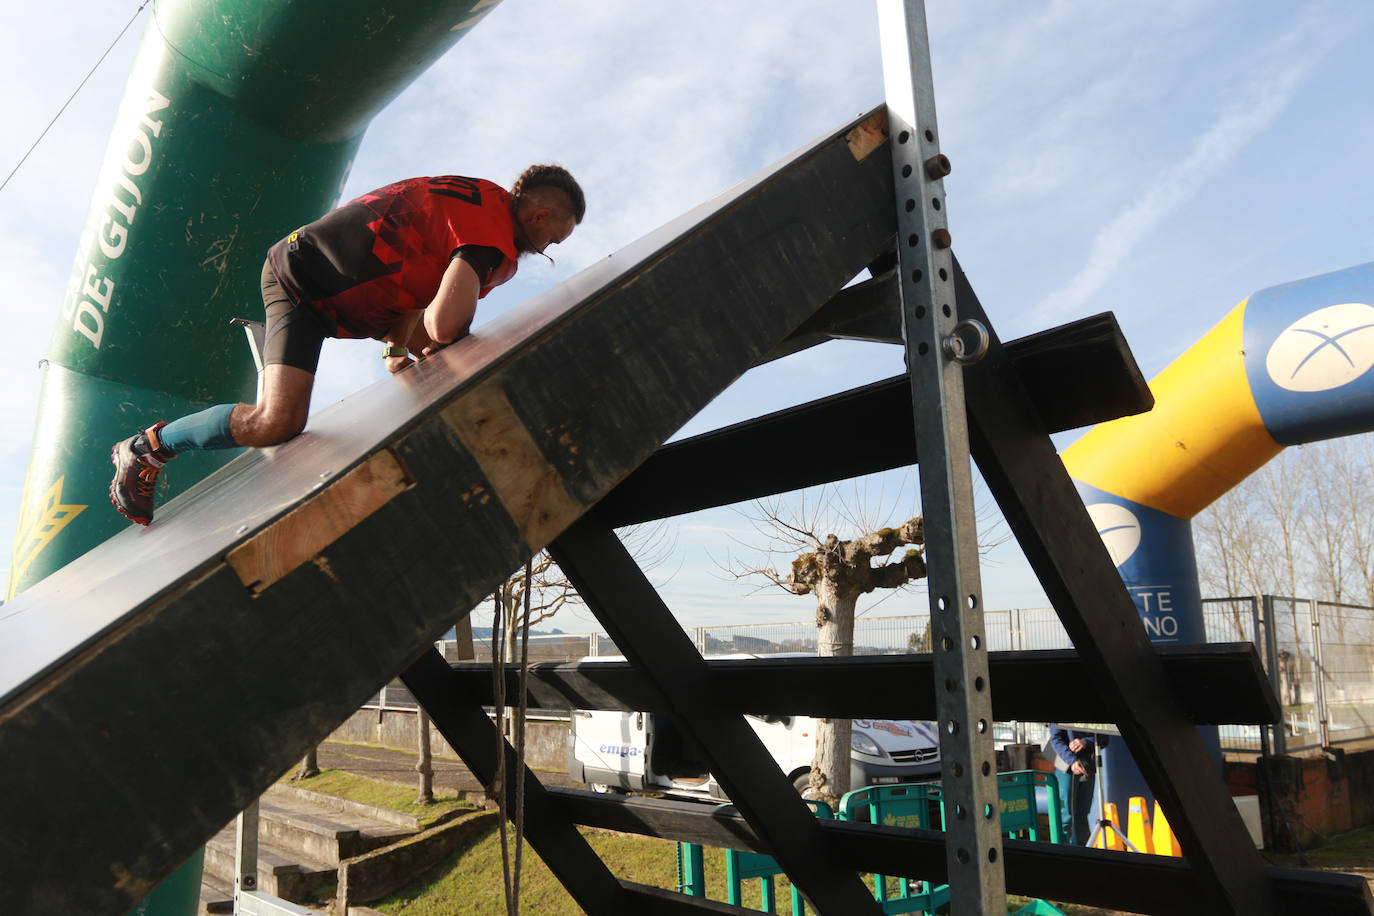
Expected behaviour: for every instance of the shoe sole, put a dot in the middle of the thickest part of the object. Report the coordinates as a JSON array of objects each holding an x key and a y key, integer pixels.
[{"x": 137, "y": 520}]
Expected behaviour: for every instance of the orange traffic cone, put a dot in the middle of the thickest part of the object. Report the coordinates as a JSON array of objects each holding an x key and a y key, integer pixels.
[
  {"x": 1166, "y": 844},
  {"x": 1109, "y": 838},
  {"x": 1138, "y": 825}
]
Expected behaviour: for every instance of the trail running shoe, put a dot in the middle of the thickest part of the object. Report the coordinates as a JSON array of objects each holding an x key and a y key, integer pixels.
[{"x": 137, "y": 465}]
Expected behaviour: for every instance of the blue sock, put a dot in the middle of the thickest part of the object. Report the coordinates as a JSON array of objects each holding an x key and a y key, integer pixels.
[{"x": 208, "y": 429}]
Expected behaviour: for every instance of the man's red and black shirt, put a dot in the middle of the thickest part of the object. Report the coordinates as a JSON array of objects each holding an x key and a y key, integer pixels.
[{"x": 375, "y": 258}]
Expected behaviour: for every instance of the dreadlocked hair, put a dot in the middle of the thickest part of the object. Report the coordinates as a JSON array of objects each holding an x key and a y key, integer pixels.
[{"x": 550, "y": 176}]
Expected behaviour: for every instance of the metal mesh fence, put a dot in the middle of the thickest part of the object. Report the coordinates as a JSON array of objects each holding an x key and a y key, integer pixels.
[
  {"x": 1236, "y": 620},
  {"x": 1319, "y": 657},
  {"x": 1016, "y": 629},
  {"x": 1294, "y": 669},
  {"x": 1345, "y": 670},
  {"x": 555, "y": 647}
]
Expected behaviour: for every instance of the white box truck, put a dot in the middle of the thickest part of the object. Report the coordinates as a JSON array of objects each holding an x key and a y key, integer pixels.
[{"x": 614, "y": 751}]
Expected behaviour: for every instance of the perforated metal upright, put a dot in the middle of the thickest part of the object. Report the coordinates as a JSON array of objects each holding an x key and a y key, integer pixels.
[{"x": 937, "y": 346}]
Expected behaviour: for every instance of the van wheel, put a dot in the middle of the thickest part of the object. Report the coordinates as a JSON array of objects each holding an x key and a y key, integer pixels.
[
  {"x": 602, "y": 788},
  {"x": 802, "y": 782}
]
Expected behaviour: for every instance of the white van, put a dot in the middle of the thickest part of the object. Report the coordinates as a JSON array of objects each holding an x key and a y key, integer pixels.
[{"x": 643, "y": 752}]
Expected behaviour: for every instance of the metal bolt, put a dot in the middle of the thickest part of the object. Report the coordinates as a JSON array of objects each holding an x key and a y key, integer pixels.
[
  {"x": 242, "y": 529},
  {"x": 941, "y": 238},
  {"x": 937, "y": 166},
  {"x": 966, "y": 345},
  {"x": 325, "y": 474}
]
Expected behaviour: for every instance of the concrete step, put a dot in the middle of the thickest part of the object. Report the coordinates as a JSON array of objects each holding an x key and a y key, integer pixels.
[
  {"x": 283, "y": 873},
  {"x": 302, "y": 838},
  {"x": 319, "y": 833},
  {"x": 216, "y": 896}
]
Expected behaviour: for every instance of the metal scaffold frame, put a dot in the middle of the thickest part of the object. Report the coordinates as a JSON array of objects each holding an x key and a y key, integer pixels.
[{"x": 281, "y": 592}]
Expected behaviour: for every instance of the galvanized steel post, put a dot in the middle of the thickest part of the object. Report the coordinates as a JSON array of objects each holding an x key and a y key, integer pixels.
[{"x": 937, "y": 344}]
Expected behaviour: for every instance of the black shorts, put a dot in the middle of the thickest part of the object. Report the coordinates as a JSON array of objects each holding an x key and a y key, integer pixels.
[{"x": 294, "y": 333}]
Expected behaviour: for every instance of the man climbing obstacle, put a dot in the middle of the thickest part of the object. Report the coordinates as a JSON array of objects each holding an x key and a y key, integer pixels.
[{"x": 404, "y": 264}]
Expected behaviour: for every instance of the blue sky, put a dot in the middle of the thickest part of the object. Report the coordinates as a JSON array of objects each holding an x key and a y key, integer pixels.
[{"x": 1161, "y": 161}]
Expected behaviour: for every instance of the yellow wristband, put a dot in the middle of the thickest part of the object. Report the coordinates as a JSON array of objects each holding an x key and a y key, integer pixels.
[{"x": 390, "y": 351}]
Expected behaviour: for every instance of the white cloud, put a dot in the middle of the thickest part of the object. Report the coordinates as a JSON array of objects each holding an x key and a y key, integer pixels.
[{"x": 1259, "y": 104}]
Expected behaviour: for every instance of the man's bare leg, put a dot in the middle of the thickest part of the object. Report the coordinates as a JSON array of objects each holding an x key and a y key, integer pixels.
[
  {"x": 279, "y": 414},
  {"x": 281, "y": 411}
]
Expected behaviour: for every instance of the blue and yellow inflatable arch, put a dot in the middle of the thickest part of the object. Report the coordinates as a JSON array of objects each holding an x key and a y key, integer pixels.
[{"x": 1289, "y": 365}]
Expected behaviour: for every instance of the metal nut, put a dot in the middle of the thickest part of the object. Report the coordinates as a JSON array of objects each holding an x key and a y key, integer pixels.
[{"x": 937, "y": 166}]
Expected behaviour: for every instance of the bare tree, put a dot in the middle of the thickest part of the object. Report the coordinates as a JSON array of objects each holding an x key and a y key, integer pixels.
[
  {"x": 837, "y": 571},
  {"x": 549, "y": 591},
  {"x": 309, "y": 766},
  {"x": 1229, "y": 543},
  {"x": 1298, "y": 526},
  {"x": 1328, "y": 524},
  {"x": 424, "y": 765},
  {"x": 1355, "y": 471},
  {"x": 1276, "y": 485}
]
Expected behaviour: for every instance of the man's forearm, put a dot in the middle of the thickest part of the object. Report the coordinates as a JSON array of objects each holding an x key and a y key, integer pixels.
[{"x": 400, "y": 333}]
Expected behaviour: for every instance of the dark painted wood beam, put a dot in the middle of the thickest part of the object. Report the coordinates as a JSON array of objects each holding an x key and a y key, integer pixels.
[
  {"x": 1078, "y": 374},
  {"x": 1023, "y": 470},
  {"x": 1215, "y": 684},
  {"x": 617, "y": 592},
  {"x": 459, "y": 717},
  {"x": 1118, "y": 880},
  {"x": 655, "y": 901},
  {"x": 867, "y": 310}
]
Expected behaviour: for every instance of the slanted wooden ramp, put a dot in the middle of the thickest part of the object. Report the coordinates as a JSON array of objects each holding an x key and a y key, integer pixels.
[
  {"x": 156, "y": 686},
  {"x": 267, "y": 603}
]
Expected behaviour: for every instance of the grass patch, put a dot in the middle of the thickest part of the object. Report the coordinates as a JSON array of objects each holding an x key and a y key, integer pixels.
[
  {"x": 1353, "y": 849},
  {"x": 470, "y": 881},
  {"x": 382, "y": 794}
]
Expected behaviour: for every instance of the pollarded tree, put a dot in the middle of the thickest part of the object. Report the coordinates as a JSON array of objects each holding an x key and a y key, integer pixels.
[{"x": 837, "y": 571}]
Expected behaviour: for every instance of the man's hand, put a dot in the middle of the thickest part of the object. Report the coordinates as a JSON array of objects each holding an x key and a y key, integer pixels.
[
  {"x": 1077, "y": 745},
  {"x": 1077, "y": 769},
  {"x": 398, "y": 335},
  {"x": 431, "y": 350}
]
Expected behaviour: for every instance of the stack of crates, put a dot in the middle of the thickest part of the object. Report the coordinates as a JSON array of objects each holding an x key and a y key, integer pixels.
[{"x": 916, "y": 805}]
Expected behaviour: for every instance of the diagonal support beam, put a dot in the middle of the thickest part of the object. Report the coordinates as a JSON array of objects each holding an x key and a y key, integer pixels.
[
  {"x": 1025, "y": 474},
  {"x": 641, "y": 625},
  {"x": 465, "y": 726}
]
